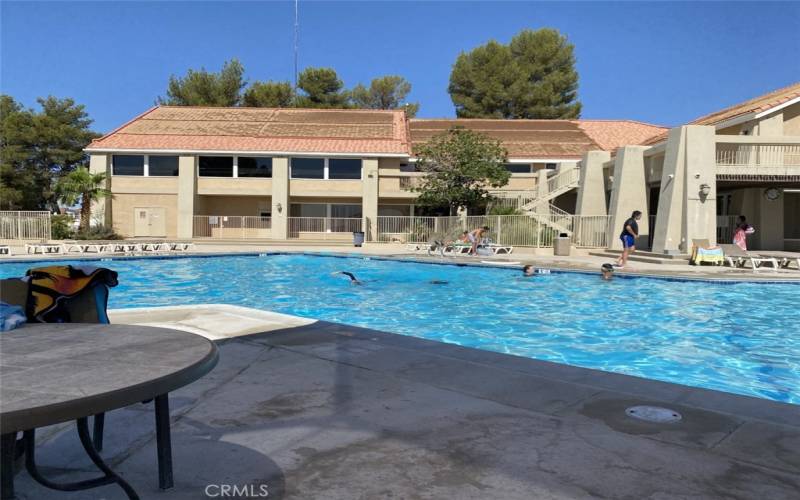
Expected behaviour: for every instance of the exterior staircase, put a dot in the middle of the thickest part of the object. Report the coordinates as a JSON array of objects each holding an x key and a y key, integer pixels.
[{"x": 537, "y": 202}]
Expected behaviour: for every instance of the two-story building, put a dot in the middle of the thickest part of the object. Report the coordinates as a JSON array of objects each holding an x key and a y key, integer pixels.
[{"x": 194, "y": 172}]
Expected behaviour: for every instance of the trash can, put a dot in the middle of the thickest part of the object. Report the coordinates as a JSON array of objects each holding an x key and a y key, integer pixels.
[
  {"x": 561, "y": 245},
  {"x": 358, "y": 238}
]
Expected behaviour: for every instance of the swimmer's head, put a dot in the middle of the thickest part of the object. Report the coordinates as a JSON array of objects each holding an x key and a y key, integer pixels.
[
  {"x": 529, "y": 270},
  {"x": 607, "y": 271}
]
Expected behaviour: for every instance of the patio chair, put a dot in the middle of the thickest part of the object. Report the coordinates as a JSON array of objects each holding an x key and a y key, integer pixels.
[
  {"x": 704, "y": 253},
  {"x": 5, "y": 250},
  {"x": 736, "y": 257},
  {"x": 88, "y": 306}
]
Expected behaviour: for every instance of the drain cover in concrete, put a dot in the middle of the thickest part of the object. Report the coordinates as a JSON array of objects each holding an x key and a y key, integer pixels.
[{"x": 654, "y": 414}]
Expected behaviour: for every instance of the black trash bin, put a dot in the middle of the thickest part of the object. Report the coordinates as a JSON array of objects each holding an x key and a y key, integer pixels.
[{"x": 358, "y": 238}]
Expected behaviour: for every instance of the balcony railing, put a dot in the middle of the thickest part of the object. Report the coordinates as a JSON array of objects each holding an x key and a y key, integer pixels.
[
  {"x": 232, "y": 227},
  {"x": 745, "y": 158}
]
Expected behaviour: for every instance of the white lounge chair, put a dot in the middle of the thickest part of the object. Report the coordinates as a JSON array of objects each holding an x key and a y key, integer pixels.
[
  {"x": 736, "y": 257},
  {"x": 42, "y": 248},
  {"x": 180, "y": 246}
]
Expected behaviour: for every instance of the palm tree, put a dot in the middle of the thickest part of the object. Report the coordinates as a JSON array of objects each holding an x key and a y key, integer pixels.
[{"x": 80, "y": 184}]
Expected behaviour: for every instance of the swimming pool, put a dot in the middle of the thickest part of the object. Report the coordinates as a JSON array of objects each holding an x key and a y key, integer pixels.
[{"x": 741, "y": 338}]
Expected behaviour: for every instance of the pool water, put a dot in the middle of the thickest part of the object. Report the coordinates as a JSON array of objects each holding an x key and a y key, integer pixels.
[{"x": 741, "y": 338}]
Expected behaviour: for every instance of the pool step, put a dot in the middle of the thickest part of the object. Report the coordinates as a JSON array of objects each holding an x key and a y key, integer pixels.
[{"x": 648, "y": 257}]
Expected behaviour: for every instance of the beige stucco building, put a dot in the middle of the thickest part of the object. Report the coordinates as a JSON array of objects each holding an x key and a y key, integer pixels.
[
  {"x": 195, "y": 172},
  {"x": 695, "y": 180}
]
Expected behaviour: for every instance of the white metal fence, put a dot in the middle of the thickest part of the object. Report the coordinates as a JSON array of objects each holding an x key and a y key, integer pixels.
[
  {"x": 539, "y": 230},
  {"x": 232, "y": 227},
  {"x": 325, "y": 228},
  {"x": 25, "y": 225}
]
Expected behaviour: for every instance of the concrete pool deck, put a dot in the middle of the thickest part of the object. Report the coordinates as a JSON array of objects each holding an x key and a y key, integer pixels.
[{"x": 323, "y": 410}]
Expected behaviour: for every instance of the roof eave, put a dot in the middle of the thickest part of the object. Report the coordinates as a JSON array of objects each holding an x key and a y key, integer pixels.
[{"x": 192, "y": 152}]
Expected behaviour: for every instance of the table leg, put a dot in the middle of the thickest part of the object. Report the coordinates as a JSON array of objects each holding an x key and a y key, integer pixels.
[
  {"x": 163, "y": 442},
  {"x": 97, "y": 432},
  {"x": 8, "y": 444},
  {"x": 108, "y": 477}
]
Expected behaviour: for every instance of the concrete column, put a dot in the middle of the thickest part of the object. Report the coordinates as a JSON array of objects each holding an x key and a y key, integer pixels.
[
  {"x": 628, "y": 193},
  {"x": 369, "y": 200},
  {"x": 101, "y": 208},
  {"x": 542, "y": 189},
  {"x": 591, "y": 188},
  {"x": 280, "y": 198},
  {"x": 187, "y": 192},
  {"x": 700, "y": 209},
  {"x": 669, "y": 218}
]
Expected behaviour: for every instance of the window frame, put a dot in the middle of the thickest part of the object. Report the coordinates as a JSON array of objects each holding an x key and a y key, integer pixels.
[
  {"x": 236, "y": 167},
  {"x": 325, "y": 169},
  {"x": 144, "y": 166}
]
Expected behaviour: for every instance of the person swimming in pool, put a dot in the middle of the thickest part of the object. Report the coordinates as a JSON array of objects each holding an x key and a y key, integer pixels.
[
  {"x": 607, "y": 272},
  {"x": 528, "y": 271},
  {"x": 353, "y": 279}
]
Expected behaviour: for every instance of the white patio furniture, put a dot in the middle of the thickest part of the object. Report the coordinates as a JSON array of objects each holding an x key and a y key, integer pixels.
[
  {"x": 736, "y": 257},
  {"x": 42, "y": 248},
  {"x": 5, "y": 250}
]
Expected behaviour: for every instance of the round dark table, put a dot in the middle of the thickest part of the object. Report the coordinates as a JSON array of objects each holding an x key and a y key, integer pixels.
[{"x": 54, "y": 373}]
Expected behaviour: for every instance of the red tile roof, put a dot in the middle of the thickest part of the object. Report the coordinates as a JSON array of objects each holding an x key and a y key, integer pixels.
[
  {"x": 179, "y": 128},
  {"x": 756, "y": 105},
  {"x": 362, "y": 132},
  {"x": 534, "y": 139}
]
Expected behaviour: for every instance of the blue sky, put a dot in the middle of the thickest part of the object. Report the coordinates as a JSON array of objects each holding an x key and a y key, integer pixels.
[{"x": 658, "y": 62}]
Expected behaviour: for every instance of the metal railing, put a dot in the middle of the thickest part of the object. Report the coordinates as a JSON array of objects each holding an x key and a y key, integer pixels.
[
  {"x": 537, "y": 230},
  {"x": 232, "y": 227},
  {"x": 25, "y": 225},
  {"x": 324, "y": 227},
  {"x": 748, "y": 162},
  {"x": 726, "y": 226}
]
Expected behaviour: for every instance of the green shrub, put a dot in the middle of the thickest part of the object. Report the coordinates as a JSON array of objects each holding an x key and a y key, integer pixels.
[
  {"x": 61, "y": 227},
  {"x": 100, "y": 232},
  {"x": 504, "y": 210}
]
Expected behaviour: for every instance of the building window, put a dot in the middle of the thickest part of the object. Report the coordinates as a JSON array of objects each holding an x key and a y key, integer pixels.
[
  {"x": 308, "y": 210},
  {"x": 254, "y": 167},
  {"x": 346, "y": 211},
  {"x": 394, "y": 210},
  {"x": 325, "y": 168},
  {"x": 308, "y": 168},
  {"x": 216, "y": 166},
  {"x": 166, "y": 166},
  {"x": 344, "y": 168},
  {"x": 127, "y": 165},
  {"x": 518, "y": 168}
]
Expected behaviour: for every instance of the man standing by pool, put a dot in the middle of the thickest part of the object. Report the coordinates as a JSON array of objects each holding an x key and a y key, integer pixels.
[{"x": 630, "y": 231}]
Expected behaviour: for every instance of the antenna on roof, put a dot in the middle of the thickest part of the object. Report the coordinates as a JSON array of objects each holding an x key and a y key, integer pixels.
[{"x": 296, "y": 36}]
